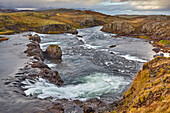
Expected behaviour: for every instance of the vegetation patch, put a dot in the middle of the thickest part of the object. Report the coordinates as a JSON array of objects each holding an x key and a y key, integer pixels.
[
  {"x": 165, "y": 42},
  {"x": 149, "y": 93}
]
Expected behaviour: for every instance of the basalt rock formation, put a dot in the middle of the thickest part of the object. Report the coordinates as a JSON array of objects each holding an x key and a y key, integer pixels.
[
  {"x": 91, "y": 23},
  {"x": 57, "y": 28},
  {"x": 119, "y": 27},
  {"x": 150, "y": 90},
  {"x": 35, "y": 38}
]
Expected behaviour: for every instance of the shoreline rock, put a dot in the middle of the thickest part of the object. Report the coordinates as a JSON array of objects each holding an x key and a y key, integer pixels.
[
  {"x": 149, "y": 90},
  {"x": 119, "y": 27}
]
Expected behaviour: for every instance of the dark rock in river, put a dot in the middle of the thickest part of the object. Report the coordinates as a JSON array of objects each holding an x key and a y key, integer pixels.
[
  {"x": 51, "y": 76},
  {"x": 53, "y": 52},
  {"x": 38, "y": 68},
  {"x": 156, "y": 50},
  {"x": 112, "y": 46},
  {"x": 35, "y": 50},
  {"x": 159, "y": 55},
  {"x": 35, "y": 38},
  {"x": 38, "y": 64},
  {"x": 119, "y": 27}
]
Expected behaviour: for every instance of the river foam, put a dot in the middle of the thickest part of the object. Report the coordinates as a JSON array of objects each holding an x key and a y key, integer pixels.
[
  {"x": 133, "y": 58},
  {"x": 92, "y": 86}
]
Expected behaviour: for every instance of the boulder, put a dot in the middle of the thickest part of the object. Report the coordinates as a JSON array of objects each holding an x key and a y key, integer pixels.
[
  {"x": 119, "y": 27},
  {"x": 35, "y": 37},
  {"x": 156, "y": 50},
  {"x": 53, "y": 52},
  {"x": 35, "y": 50}
]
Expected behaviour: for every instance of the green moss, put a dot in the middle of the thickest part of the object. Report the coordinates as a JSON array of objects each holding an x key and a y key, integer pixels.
[{"x": 165, "y": 42}]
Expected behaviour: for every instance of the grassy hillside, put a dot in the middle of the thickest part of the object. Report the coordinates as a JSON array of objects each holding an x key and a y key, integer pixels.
[
  {"x": 33, "y": 20},
  {"x": 150, "y": 90}
]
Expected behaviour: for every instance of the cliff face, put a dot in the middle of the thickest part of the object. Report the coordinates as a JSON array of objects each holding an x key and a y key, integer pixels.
[
  {"x": 156, "y": 27},
  {"x": 150, "y": 90},
  {"x": 119, "y": 27},
  {"x": 51, "y": 21}
]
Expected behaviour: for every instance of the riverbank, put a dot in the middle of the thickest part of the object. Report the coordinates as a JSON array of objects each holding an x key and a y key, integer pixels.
[
  {"x": 154, "y": 28},
  {"x": 149, "y": 91},
  {"x": 12, "y": 59},
  {"x": 95, "y": 55}
]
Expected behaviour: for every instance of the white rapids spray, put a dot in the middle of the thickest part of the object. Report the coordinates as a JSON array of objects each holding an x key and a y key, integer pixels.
[{"x": 92, "y": 86}]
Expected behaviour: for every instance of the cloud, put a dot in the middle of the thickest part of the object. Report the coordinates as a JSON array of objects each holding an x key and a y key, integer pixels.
[
  {"x": 49, "y": 3},
  {"x": 119, "y": 5},
  {"x": 151, "y": 4}
]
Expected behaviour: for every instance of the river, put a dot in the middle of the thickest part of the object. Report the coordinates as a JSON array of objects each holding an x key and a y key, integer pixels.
[{"x": 90, "y": 68}]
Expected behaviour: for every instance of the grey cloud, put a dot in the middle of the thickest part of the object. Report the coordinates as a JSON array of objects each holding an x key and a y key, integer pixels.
[{"x": 118, "y": 5}]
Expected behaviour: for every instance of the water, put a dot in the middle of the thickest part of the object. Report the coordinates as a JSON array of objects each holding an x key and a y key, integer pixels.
[
  {"x": 92, "y": 86},
  {"x": 90, "y": 68}
]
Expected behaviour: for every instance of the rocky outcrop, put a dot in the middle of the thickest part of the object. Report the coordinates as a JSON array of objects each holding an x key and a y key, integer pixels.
[
  {"x": 57, "y": 28},
  {"x": 150, "y": 89},
  {"x": 53, "y": 52},
  {"x": 37, "y": 68},
  {"x": 35, "y": 50},
  {"x": 41, "y": 70},
  {"x": 91, "y": 23},
  {"x": 89, "y": 106},
  {"x": 35, "y": 37},
  {"x": 119, "y": 27},
  {"x": 158, "y": 30}
]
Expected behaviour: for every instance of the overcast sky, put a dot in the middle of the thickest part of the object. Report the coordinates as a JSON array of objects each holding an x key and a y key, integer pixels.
[{"x": 105, "y": 6}]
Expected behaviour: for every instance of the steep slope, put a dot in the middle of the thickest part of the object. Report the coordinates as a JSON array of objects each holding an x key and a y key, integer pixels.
[
  {"x": 150, "y": 90},
  {"x": 63, "y": 20}
]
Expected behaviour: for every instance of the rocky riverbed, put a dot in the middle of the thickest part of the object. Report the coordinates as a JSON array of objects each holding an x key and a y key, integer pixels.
[{"x": 95, "y": 76}]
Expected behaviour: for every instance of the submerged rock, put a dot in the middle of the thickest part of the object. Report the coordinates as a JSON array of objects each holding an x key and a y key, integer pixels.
[{"x": 53, "y": 52}]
